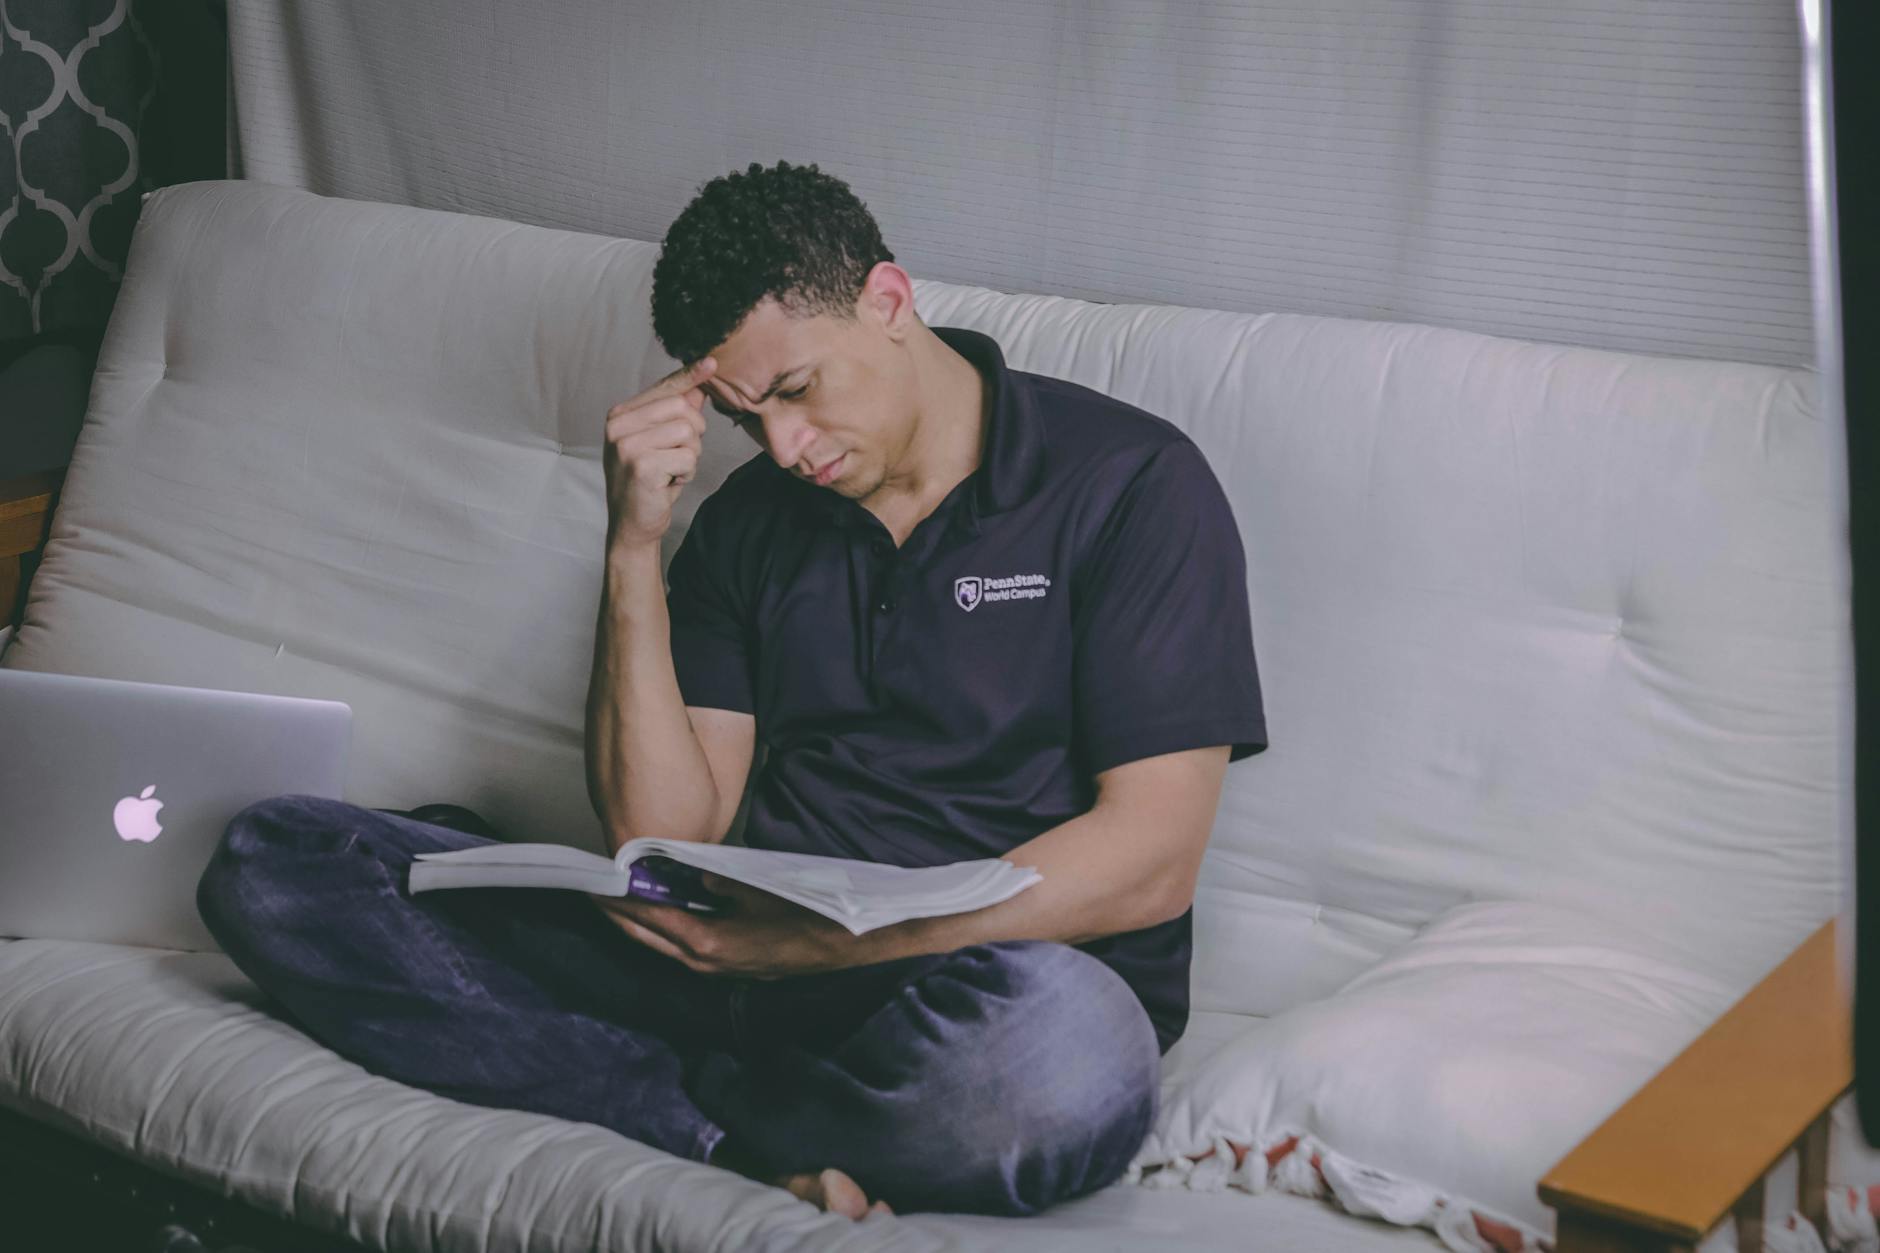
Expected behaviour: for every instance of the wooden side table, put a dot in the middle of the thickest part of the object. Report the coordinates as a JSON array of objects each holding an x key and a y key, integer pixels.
[{"x": 26, "y": 505}]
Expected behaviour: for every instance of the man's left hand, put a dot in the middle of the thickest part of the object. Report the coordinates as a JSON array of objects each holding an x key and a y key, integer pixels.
[{"x": 758, "y": 936}]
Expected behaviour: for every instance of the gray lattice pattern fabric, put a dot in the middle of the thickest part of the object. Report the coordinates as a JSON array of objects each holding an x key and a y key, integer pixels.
[{"x": 76, "y": 81}]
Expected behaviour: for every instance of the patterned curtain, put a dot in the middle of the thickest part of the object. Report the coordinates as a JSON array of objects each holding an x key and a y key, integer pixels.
[
  {"x": 76, "y": 82},
  {"x": 100, "y": 101}
]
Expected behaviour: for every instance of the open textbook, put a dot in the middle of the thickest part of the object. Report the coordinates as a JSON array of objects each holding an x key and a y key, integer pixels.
[{"x": 860, "y": 895}]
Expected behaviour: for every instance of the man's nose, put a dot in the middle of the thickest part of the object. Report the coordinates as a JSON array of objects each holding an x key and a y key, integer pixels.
[{"x": 788, "y": 437}]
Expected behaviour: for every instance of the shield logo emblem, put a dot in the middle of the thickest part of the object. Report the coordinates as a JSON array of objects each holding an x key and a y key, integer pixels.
[{"x": 966, "y": 592}]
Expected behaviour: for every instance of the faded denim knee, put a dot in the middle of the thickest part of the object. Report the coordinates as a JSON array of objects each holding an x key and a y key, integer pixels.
[
  {"x": 1048, "y": 1099},
  {"x": 235, "y": 884}
]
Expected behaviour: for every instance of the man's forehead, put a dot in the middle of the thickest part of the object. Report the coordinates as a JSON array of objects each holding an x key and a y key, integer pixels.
[
  {"x": 753, "y": 376},
  {"x": 770, "y": 343}
]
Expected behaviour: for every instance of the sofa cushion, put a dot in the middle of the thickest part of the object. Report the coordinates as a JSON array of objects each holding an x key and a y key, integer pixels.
[
  {"x": 177, "y": 1060},
  {"x": 352, "y": 451},
  {"x": 1469, "y": 1061},
  {"x": 1535, "y": 623}
]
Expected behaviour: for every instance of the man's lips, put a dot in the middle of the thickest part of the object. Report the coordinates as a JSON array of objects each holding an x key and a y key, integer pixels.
[{"x": 824, "y": 475}]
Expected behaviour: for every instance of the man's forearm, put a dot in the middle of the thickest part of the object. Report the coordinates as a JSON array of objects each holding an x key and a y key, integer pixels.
[
  {"x": 1103, "y": 874},
  {"x": 1130, "y": 862},
  {"x": 647, "y": 773}
]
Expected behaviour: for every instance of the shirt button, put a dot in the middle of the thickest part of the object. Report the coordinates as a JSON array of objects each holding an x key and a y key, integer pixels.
[{"x": 886, "y": 606}]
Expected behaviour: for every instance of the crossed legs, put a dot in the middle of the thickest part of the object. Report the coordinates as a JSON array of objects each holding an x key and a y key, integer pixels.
[{"x": 1001, "y": 1078}]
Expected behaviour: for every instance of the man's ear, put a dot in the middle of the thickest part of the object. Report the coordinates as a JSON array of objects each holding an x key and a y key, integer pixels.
[{"x": 888, "y": 297}]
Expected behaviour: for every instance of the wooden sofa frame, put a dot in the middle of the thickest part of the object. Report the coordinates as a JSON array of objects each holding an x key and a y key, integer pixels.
[
  {"x": 1688, "y": 1149},
  {"x": 1696, "y": 1143},
  {"x": 25, "y": 516}
]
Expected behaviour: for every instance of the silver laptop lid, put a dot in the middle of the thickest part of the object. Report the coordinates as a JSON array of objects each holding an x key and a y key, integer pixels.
[{"x": 114, "y": 794}]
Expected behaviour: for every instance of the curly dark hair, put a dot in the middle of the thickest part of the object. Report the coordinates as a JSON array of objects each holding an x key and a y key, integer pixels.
[{"x": 790, "y": 232}]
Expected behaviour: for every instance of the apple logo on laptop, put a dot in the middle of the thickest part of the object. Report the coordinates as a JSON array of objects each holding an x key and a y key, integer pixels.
[{"x": 136, "y": 816}]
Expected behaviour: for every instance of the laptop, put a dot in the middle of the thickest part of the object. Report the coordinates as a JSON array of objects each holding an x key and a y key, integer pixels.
[{"x": 114, "y": 794}]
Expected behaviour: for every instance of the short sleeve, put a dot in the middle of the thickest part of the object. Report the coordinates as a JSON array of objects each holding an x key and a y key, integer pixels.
[
  {"x": 710, "y": 645},
  {"x": 1162, "y": 634}
]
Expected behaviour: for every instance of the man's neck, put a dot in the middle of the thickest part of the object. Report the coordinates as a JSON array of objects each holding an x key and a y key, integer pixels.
[{"x": 948, "y": 439}]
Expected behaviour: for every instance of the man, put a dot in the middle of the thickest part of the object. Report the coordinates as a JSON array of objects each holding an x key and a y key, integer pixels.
[{"x": 973, "y": 612}]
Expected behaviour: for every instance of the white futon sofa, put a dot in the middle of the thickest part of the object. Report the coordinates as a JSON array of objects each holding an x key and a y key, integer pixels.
[{"x": 1552, "y": 642}]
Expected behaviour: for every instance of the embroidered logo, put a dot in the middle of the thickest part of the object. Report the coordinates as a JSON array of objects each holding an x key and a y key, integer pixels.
[{"x": 971, "y": 591}]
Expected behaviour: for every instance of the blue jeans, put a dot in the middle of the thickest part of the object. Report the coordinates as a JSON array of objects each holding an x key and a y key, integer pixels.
[{"x": 999, "y": 1079}]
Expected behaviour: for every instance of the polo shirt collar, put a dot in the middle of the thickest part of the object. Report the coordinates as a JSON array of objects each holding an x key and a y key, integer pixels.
[{"x": 1012, "y": 465}]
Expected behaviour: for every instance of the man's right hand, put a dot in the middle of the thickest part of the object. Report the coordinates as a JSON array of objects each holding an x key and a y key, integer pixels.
[{"x": 650, "y": 452}]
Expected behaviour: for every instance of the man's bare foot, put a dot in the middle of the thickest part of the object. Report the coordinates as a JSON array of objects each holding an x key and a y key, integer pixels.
[{"x": 831, "y": 1190}]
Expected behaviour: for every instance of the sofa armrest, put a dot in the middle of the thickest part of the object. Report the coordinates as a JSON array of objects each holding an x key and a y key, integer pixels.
[
  {"x": 26, "y": 505},
  {"x": 1694, "y": 1144}
]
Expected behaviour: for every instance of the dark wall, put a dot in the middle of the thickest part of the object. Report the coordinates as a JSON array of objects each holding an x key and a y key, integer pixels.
[{"x": 1855, "y": 30}]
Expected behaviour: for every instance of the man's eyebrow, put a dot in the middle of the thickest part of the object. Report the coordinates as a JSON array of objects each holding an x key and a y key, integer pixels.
[{"x": 775, "y": 383}]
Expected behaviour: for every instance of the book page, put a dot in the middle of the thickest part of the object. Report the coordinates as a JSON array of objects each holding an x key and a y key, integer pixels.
[{"x": 524, "y": 855}]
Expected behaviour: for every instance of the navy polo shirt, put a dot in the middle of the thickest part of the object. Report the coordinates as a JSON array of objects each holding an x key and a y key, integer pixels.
[{"x": 1077, "y": 602}]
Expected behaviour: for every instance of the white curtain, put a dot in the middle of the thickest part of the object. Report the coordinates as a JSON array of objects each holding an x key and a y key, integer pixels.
[{"x": 1620, "y": 173}]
